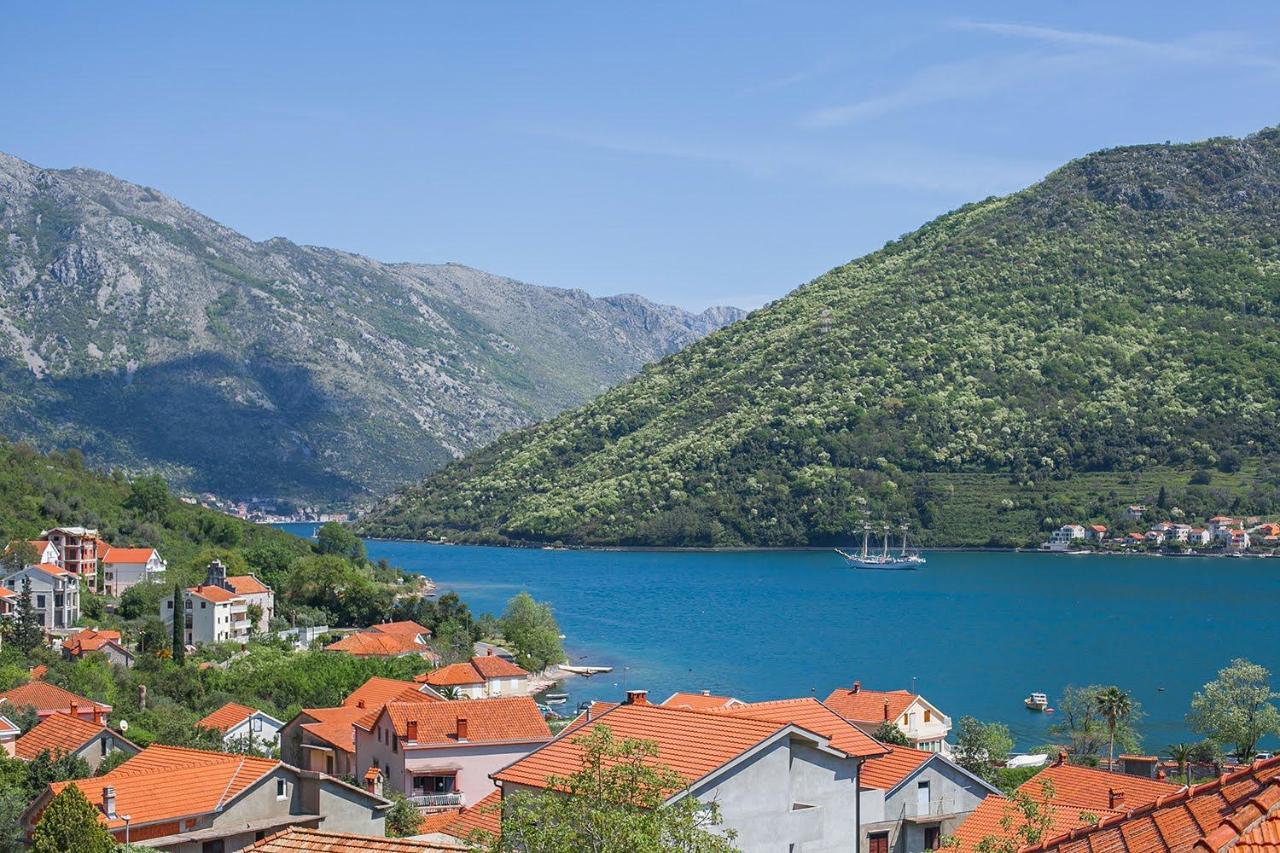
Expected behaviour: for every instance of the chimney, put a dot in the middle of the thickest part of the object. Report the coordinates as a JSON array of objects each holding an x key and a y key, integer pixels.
[
  {"x": 1062, "y": 757},
  {"x": 462, "y": 729},
  {"x": 886, "y": 710},
  {"x": 857, "y": 687},
  {"x": 1115, "y": 799},
  {"x": 109, "y": 802},
  {"x": 97, "y": 715},
  {"x": 359, "y": 703},
  {"x": 637, "y": 697},
  {"x": 411, "y": 730},
  {"x": 1161, "y": 775},
  {"x": 72, "y": 709},
  {"x": 489, "y": 651}
]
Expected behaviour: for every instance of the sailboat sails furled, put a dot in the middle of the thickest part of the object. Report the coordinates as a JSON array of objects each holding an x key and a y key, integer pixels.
[{"x": 885, "y": 557}]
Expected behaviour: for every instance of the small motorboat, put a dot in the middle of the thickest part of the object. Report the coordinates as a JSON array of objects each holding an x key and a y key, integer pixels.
[
  {"x": 556, "y": 698},
  {"x": 1036, "y": 702},
  {"x": 587, "y": 671}
]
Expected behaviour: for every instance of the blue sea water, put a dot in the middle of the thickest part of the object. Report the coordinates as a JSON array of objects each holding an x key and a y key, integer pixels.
[{"x": 975, "y": 632}]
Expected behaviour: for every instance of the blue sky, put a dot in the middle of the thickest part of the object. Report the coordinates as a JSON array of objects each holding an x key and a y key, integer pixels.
[{"x": 697, "y": 153}]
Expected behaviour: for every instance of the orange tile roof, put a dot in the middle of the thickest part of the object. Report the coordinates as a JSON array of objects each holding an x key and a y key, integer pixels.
[
  {"x": 335, "y": 726},
  {"x": 47, "y": 698},
  {"x": 810, "y": 714},
  {"x": 59, "y": 733},
  {"x": 888, "y": 771},
  {"x": 296, "y": 839},
  {"x": 698, "y": 701},
  {"x": 38, "y": 672},
  {"x": 378, "y": 691},
  {"x": 5, "y": 592},
  {"x": 247, "y": 585},
  {"x": 1264, "y": 838},
  {"x": 163, "y": 783},
  {"x": 868, "y": 706},
  {"x": 401, "y": 628},
  {"x": 492, "y": 666},
  {"x": 227, "y": 717},
  {"x": 485, "y": 816},
  {"x": 51, "y": 569},
  {"x": 453, "y": 675},
  {"x": 1237, "y": 809},
  {"x": 1076, "y": 791},
  {"x": 89, "y": 640},
  {"x": 692, "y": 743},
  {"x": 375, "y": 644},
  {"x": 209, "y": 592},
  {"x": 507, "y": 719},
  {"x": 127, "y": 555}
]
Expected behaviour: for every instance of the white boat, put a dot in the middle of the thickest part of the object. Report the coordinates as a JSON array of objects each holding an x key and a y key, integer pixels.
[
  {"x": 867, "y": 558},
  {"x": 1036, "y": 702},
  {"x": 587, "y": 671}
]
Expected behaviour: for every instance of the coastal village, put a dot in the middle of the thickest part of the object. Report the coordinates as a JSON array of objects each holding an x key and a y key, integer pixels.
[
  {"x": 458, "y": 746},
  {"x": 1136, "y": 532}
]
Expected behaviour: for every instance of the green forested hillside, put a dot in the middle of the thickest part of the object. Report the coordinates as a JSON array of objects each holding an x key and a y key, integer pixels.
[{"x": 1055, "y": 352}]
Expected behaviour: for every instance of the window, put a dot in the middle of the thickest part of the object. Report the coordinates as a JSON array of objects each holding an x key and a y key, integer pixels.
[
  {"x": 202, "y": 605},
  {"x": 39, "y": 601},
  {"x": 931, "y": 837},
  {"x": 424, "y": 785},
  {"x": 103, "y": 745},
  {"x": 255, "y": 724},
  {"x": 928, "y": 716},
  {"x": 878, "y": 842},
  {"x": 282, "y": 789}
]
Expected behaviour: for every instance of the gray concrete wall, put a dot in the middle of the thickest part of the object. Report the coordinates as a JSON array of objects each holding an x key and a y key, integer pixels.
[{"x": 952, "y": 796}]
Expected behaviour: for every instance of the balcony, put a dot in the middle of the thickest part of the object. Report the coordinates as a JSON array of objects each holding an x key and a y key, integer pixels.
[
  {"x": 931, "y": 812},
  {"x": 437, "y": 801}
]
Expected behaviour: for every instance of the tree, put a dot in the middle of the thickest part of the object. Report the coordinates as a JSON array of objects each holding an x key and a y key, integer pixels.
[
  {"x": 403, "y": 818},
  {"x": 254, "y": 613},
  {"x": 617, "y": 801},
  {"x": 111, "y": 762},
  {"x": 179, "y": 648},
  {"x": 1115, "y": 706},
  {"x": 1236, "y": 708},
  {"x": 889, "y": 733},
  {"x": 982, "y": 748},
  {"x": 148, "y": 496},
  {"x": 530, "y": 629},
  {"x": 28, "y": 632},
  {"x": 1080, "y": 724},
  {"x": 20, "y": 553},
  {"x": 46, "y": 768},
  {"x": 70, "y": 822},
  {"x": 333, "y": 538}
]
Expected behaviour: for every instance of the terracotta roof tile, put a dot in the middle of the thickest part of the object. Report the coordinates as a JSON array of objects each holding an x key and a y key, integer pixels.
[
  {"x": 376, "y": 644},
  {"x": 336, "y": 725},
  {"x": 246, "y": 585},
  {"x": 298, "y": 840},
  {"x": 89, "y": 640},
  {"x": 227, "y": 717},
  {"x": 808, "y": 713},
  {"x": 47, "y": 698},
  {"x": 59, "y": 733},
  {"x": 692, "y": 743},
  {"x": 699, "y": 701},
  {"x": 492, "y": 666},
  {"x": 485, "y": 816},
  {"x": 887, "y": 771},
  {"x": 127, "y": 555},
  {"x": 868, "y": 706},
  {"x": 378, "y": 691},
  {"x": 454, "y": 675},
  {"x": 412, "y": 629},
  {"x": 216, "y": 594},
  {"x": 497, "y": 720}
]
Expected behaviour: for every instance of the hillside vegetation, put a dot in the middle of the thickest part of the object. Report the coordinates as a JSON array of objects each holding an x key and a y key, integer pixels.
[
  {"x": 1013, "y": 364},
  {"x": 152, "y": 337}
]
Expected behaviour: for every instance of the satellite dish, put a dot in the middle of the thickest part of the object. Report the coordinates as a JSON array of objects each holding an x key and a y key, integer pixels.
[{"x": 124, "y": 725}]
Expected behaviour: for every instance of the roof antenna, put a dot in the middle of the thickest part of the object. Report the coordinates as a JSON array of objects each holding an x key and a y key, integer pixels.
[{"x": 913, "y": 686}]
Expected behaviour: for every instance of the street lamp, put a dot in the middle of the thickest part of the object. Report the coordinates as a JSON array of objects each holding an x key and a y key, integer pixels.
[{"x": 126, "y": 819}]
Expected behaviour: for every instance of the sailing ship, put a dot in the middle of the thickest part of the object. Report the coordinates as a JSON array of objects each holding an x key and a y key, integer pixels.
[{"x": 884, "y": 558}]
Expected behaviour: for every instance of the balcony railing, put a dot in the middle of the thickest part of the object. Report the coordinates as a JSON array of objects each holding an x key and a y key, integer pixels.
[
  {"x": 437, "y": 801},
  {"x": 933, "y": 809}
]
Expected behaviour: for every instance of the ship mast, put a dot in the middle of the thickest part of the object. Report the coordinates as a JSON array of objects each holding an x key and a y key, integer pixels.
[
  {"x": 904, "y": 540},
  {"x": 884, "y": 546},
  {"x": 866, "y": 532}
]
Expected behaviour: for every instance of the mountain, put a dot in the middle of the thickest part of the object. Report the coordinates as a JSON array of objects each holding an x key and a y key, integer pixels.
[
  {"x": 153, "y": 337},
  {"x": 1012, "y": 365}
]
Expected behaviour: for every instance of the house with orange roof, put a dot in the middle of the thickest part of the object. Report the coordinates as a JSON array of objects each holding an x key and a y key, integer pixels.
[
  {"x": 461, "y": 826},
  {"x": 1237, "y": 812},
  {"x": 702, "y": 701},
  {"x": 323, "y": 739},
  {"x": 779, "y": 783},
  {"x": 482, "y": 676},
  {"x": 126, "y": 567},
  {"x": 926, "y": 728},
  {"x": 241, "y": 725},
  {"x": 48, "y": 699},
  {"x": 93, "y": 640},
  {"x": 8, "y": 601},
  {"x": 176, "y": 799},
  {"x": 1076, "y": 797},
  {"x": 64, "y": 734},
  {"x": 296, "y": 840},
  {"x": 441, "y": 754},
  {"x": 390, "y": 639},
  {"x": 211, "y": 614},
  {"x": 55, "y": 594},
  {"x": 9, "y": 733}
]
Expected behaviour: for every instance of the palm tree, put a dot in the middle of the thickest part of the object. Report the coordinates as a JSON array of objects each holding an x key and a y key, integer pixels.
[
  {"x": 1115, "y": 706},
  {"x": 1183, "y": 753}
]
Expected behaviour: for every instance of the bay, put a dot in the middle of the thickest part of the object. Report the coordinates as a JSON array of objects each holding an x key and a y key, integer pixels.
[{"x": 974, "y": 632}]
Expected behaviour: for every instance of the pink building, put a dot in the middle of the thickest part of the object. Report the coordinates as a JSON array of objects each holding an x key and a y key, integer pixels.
[{"x": 440, "y": 754}]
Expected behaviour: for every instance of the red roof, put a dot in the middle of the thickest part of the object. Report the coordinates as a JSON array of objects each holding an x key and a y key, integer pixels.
[
  {"x": 227, "y": 717},
  {"x": 216, "y": 594},
  {"x": 699, "y": 701},
  {"x": 1237, "y": 810},
  {"x": 868, "y": 706},
  {"x": 1077, "y": 791},
  {"x": 371, "y": 643},
  {"x": 164, "y": 783},
  {"x": 692, "y": 743},
  {"x": 453, "y": 675},
  {"x": 888, "y": 771},
  {"x": 47, "y": 698},
  {"x": 810, "y": 714},
  {"x": 507, "y": 719},
  {"x": 492, "y": 666},
  {"x": 5, "y": 592},
  {"x": 336, "y": 725},
  {"x": 378, "y": 691},
  {"x": 484, "y": 817},
  {"x": 59, "y": 733},
  {"x": 247, "y": 585},
  {"x": 128, "y": 555},
  {"x": 296, "y": 839},
  {"x": 412, "y": 629},
  {"x": 89, "y": 640},
  {"x": 51, "y": 569}
]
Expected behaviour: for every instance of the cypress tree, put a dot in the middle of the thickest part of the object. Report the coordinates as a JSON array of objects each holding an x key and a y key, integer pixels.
[
  {"x": 28, "y": 632},
  {"x": 179, "y": 618}
]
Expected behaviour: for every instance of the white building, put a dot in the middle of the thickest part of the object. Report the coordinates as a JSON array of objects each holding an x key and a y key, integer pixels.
[
  {"x": 124, "y": 567},
  {"x": 55, "y": 594},
  {"x": 211, "y": 614},
  {"x": 1061, "y": 539},
  {"x": 253, "y": 591},
  {"x": 240, "y": 724},
  {"x": 482, "y": 677},
  {"x": 1199, "y": 536},
  {"x": 925, "y": 727},
  {"x": 1134, "y": 512}
]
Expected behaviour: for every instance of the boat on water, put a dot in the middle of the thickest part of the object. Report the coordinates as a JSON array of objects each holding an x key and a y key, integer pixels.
[
  {"x": 1036, "y": 702},
  {"x": 884, "y": 558},
  {"x": 557, "y": 700},
  {"x": 586, "y": 671}
]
